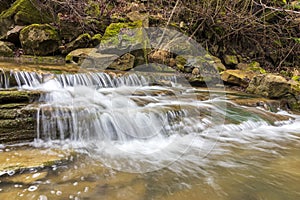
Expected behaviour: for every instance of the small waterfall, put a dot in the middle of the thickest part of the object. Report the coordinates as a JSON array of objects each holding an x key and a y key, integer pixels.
[{"x": 31, "y": 80}]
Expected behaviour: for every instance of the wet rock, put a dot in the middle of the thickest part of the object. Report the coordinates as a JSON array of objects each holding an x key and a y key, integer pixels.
[
  {"x": 5, "y": 50},
  {"x": 22, "y": 12},
  {"x": 230, "y": 60},
  {"x": 16, "y": 160},
  {"x": 159, "y": 56},
  {"x": 17, "y": 119},
  {"x": 82, "y": 41},
  {"x": 124, "y": 63},
  {"x": 237, "y": 77},
  {"x": 39, "y": 39},
  {"x": 272, "y": 86}
]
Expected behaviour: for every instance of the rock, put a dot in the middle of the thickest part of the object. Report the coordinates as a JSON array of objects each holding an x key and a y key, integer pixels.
[
  {"x": 39, "y": 39},
  {"x": 82, "y": 41},
  {"x": 22, "y": 12},
  {"x": 96, "y": 40},
  {"x": 230, "y": 60},
  {"x": 196, "y": 71},
  {"x": 273, "y": 86},
  {"x": 88, "y": 57},
  {"x": 20, "y": 160},
  {"x": 237, "y": 77},
  {"x": 137, "y": 16},
  {"x": 253, "y": 66},
  {"x": 121, "y": 38},
  {"x": 16, "y": 118},
  {"x": 5, "y": 51},
  {"x": 159, "y": 56},
  {"x": 124, "y": 63},
  {"x": 13, "y": 34}
]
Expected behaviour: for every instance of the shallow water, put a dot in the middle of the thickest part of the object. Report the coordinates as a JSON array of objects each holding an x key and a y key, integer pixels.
[{"x": 132, "y": 140}]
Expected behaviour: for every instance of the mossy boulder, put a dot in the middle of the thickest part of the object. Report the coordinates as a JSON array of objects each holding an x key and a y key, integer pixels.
[
  {"x": 253, "y": 66},
  {"x": 237, "y": 77},
  {"x": 39, "y": 39},
  {"x": 82, "y": 41},
  {"x": 96, "y": 39},
  {"x": 230, "y": 60},
  {"x": 5, "y": 51},
  {"x": 120, "y": 38},
  {"x": 22, "y": 12}
]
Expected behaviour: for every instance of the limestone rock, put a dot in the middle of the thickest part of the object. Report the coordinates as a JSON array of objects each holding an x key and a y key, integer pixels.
[
  {"x": 272, "y": 86},
  {"x": 88, "y": 57},
  {"x": 124, "y": 63},
  {"x": 5, "y": 51},
  {"x": 39, "y": 39},
  {"x": 230, "y": 59},
  {"x": 237, "y": 77}
]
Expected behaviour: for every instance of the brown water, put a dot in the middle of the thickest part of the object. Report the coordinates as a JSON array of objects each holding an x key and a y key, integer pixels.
[{"x": 259, "y": 176}]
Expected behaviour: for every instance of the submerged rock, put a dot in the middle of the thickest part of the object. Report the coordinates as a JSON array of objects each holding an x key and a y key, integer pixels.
[
  {"x": 39, "y": 39},
  {"x": 17, "y": 160}
]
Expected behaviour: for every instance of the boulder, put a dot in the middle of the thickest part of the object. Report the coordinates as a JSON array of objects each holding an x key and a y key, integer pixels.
[
  {"x": 137, "y": 16},
  {"x": 39, "y": 39},
  {"x": 13, "y": 34},
  {"x": 22, "y": 12},
  {"x": 121, "y": 38},
  {"x": 82, "y": 41},
  {"x": 230, "y": 60},
  {"x": 253, "y": 66},
  {"x": 96, "y": 39},
  {"x": 88, "y": 57},
  {"x": 237, "y": 77},
  {"x": 5, "y": 51},
  {"x": 273, "y": 86},
  {"x": 123, "y": 63}
]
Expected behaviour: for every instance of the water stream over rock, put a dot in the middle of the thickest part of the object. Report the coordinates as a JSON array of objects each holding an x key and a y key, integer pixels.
[{"x": 139, "y": 136}]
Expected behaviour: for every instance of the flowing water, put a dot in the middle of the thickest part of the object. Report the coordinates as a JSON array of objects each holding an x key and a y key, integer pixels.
[{"x": 153, "y": 137}]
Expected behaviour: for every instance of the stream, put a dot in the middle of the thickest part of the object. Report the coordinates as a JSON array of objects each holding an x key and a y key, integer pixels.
[{"x": 152, "y": 136}]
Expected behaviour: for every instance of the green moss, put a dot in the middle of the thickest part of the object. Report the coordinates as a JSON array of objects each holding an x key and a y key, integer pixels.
[
  {"x": 25, "y": 12},
  {"x": 255, "y": 66},
  {"x": 96, "y": 39}
]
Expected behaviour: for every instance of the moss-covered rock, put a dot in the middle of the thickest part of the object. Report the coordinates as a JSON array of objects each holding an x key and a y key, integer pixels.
[
  {"x": 5, "y": 50},
  {"x": 120, "y": 38},
  {"x": 39, "y": 39},
  {"x": 96, "y": 39},
  {"x": 237, "y": 77},
  {"x": 22, "y": 12},
  {"x": 82, "y": 41},
  {"x": 230, "y": 60},
  {"x": 253, "y": 66}
]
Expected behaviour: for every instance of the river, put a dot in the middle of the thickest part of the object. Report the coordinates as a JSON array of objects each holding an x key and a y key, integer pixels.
[{"x": 137, "y": 136}]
